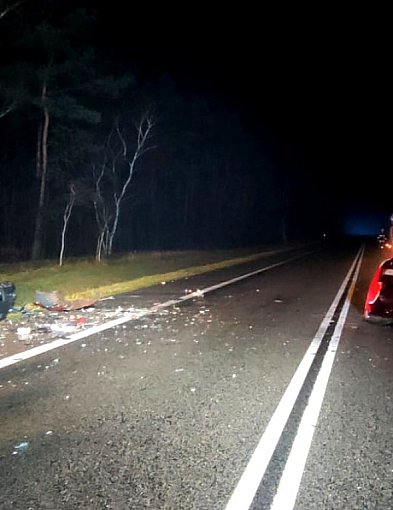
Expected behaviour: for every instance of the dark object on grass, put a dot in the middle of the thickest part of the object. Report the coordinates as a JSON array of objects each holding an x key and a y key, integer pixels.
[
  {"x": 7, "y": 298},
  {"x": 55, "y": 301}
]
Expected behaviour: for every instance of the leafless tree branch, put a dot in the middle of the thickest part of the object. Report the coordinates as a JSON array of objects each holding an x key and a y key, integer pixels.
[{"x": 5, "y": 9}]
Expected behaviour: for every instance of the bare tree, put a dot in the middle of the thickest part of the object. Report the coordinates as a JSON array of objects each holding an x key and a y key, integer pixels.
[
  {"x": 7, "y": 108},
  {"x": 9, "y": 101},
  {"x": 113, "y": 179},
  {"x": 6, "y": 7},
  {"x": 66, "y": 217},
  {"x": 103, "y": 216}
]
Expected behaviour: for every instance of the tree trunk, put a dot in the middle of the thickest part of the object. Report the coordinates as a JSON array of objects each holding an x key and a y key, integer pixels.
[
  {"x": 66, "y": 218},
  {"x": 42, "y": 171}
]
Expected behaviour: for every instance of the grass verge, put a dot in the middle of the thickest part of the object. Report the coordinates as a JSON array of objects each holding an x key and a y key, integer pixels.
[{"x": 83, "y": 278}]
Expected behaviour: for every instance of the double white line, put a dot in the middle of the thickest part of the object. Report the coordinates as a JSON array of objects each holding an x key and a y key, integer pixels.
[{"x": 285, "y": 497}]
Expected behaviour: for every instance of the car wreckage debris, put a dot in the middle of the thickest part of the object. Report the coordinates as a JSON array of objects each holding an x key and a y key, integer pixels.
[
  {"x": 7, "y": 298},
  {"x": 54, "y": 301}
]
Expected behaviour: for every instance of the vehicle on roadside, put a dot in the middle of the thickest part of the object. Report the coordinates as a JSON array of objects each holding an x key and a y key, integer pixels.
[
  {"x": 383, "y": 240},
  {"x": 379, "y": 300}
]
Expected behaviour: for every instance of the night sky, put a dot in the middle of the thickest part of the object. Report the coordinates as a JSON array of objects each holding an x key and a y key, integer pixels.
[{"x": 314, "y": 83}]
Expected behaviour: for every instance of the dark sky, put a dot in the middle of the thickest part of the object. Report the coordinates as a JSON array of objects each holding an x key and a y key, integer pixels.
[
  {"x": 313, "y": 81},
  {"x": 317, "y": 82}
]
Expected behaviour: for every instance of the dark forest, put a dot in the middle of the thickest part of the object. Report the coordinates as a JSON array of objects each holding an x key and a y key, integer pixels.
[{"x": 101, "y": 154}]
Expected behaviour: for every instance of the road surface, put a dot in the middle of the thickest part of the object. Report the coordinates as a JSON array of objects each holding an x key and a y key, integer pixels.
[{"x": 255, "y": 387}]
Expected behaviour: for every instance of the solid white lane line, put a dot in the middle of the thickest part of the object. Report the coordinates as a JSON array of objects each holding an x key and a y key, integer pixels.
[
  {"x": 55, "y": 344},
  {"x": 250, "y": 480},
  {"x": 247, "y": 275},
  {"x": 292, "y": 474}
]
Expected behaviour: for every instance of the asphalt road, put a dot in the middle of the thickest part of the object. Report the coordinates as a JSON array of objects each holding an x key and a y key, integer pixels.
[{"x": 166, "y": 410}]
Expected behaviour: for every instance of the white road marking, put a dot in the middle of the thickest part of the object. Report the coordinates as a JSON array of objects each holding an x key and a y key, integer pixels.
[
  {"x": 290, "y": 480},
  {"x": 250, "y": 480},
  {"x": 55, "y": 344}
]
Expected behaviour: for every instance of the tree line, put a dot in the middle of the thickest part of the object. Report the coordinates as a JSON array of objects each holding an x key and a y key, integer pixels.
[{"x": 95, "y": 158}]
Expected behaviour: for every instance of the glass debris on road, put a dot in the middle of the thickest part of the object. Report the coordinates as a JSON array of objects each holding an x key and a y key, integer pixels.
[{"x": 20, "y": 447}]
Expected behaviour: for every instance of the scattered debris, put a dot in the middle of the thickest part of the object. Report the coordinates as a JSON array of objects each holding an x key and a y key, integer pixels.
[
  {"x": 23, "y": 332},
  {"x": 24, "y": 336},
  {"x": 55, "y": 301},
  {"x": 50, "y": 318},
  {"x": 7, "y": 298},
  {"x": 63, "y": 329},
  {"x": 34, "y": 325},
  {"x": 20, "y": 447}
]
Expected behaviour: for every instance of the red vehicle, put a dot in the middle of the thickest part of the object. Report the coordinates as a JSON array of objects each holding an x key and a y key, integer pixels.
[{"x": 379, "y": 300}]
